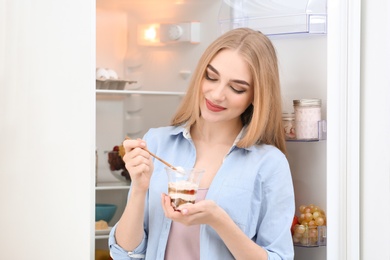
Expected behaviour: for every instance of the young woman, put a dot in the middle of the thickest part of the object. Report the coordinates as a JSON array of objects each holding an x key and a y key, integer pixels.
[{"x": 230, "y": 125}]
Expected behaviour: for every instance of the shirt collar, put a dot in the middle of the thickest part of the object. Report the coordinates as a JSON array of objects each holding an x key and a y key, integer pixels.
[
  {"x": 182, "y": 129},
  {"x": 185, "y": 130}
]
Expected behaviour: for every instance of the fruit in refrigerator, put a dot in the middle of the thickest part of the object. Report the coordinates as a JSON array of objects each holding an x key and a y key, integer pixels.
[
  {"x": 294, "y": 222},
  {"x": 116, "y": 162},
  {"x": 305, "y": 232}
]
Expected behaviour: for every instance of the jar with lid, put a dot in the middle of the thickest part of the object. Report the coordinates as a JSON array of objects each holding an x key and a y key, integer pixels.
[
  {"x": 289, "y": 125},
  {"x": 307, "y": 116}
]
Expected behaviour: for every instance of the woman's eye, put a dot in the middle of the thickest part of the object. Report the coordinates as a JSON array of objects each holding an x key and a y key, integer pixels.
[
  {"x": 208, "y": 77},
  {"x": 238, "y": 91}
]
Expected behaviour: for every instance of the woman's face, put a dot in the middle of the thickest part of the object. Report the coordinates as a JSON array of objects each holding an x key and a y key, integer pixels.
[{"x": 227, "y": 88}]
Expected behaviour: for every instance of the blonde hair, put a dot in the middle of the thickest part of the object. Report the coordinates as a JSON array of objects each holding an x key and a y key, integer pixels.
[{"x": 263, "y": 117}]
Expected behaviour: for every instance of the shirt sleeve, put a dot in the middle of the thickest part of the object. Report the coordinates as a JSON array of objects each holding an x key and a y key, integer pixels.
[
  {"x": 118, "y": 253},
  {"x": 278, "y": 209}
]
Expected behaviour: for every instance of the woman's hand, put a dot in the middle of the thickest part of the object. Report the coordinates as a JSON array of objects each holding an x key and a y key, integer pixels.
[
  {"x": 202, "y": 212},
  {"x": 139, "y": 163},
  {"x": 208, "y": 212}
]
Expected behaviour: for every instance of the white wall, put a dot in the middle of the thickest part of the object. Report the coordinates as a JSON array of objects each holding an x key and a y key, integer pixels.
[{"x": 47, "y": 129}]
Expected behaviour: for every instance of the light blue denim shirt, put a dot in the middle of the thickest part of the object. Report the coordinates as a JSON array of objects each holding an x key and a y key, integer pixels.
[{"x": 253, "y": 185}]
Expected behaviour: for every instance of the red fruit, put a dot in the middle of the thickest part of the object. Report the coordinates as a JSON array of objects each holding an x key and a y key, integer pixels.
[
  {"x": 116, "y": 148},
  {"x": 294, "y": 222}
]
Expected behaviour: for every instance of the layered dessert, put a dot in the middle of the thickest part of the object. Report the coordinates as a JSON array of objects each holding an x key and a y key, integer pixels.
[{"x": 182, "y": 192}]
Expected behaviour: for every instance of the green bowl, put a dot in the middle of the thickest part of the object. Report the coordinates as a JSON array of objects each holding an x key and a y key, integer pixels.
[{"x": 104, "y": 212}]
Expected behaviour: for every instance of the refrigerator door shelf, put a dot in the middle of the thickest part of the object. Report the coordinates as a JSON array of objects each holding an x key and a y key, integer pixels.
[{"x": 275, "y": 17}]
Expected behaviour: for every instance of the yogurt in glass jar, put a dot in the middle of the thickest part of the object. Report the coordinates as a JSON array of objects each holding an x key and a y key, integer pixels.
[{"x": 307, "y": 115}]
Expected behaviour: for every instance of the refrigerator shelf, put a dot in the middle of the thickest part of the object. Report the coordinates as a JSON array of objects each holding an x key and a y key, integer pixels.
[
  {"x": 101, "y": 236},
  {"x": 321, "y": 136},
  {"x": 311, "y": 246},
  {"x": 112, "y": 186},
  {"x": 304, "y": 141},
  {"x": 113, "y": 84},
  {"x": 139, "y": 92}
]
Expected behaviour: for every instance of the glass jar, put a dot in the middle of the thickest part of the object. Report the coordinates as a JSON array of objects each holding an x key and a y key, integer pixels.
[
  {"x": 307, "y": 115},
  {"x": 289, "y": 125}
]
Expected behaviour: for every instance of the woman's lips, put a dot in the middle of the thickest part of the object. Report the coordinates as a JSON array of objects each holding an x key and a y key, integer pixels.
[{"x": 214, "y": 107}]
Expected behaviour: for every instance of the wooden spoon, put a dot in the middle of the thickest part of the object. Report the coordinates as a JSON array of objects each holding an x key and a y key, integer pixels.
[{"x": 158, "y": 158}]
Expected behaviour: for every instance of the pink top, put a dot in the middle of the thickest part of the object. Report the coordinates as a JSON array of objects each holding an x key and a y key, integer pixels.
[{"x": 183, "y": 241}]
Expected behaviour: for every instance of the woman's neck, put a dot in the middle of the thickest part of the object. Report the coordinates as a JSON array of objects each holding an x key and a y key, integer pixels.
[{"x": 216, "y": 133}]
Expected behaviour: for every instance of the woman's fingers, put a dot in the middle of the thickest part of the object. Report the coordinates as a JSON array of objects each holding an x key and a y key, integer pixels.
[
  {"x": 169, "y": 211},
  {"x": 130, "y": 144},
  {"x": 138, "y": 162},
  {"x": 136, "y": 158},
  {"x": 190, "y": 214}
]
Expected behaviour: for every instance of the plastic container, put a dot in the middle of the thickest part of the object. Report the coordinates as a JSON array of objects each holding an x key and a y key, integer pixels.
[{"x": 307, "y": 117}]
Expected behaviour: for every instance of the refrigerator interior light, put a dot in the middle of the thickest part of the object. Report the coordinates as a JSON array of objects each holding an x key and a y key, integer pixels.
[
  {"x": 148, "y": 34},
  {"x": 157, "y": 34}
]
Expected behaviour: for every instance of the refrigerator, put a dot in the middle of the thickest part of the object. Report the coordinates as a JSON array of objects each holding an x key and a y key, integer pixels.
[
  {"x": 162, "y": 71},
  {"x": 59, "y": 123}
]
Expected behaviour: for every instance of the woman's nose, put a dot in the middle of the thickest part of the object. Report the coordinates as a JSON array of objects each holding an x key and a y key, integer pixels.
[{"x": 218, "y": 92}]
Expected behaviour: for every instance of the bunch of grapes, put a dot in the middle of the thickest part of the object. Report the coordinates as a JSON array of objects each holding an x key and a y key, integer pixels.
[{"x": 306, "y": 231}]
